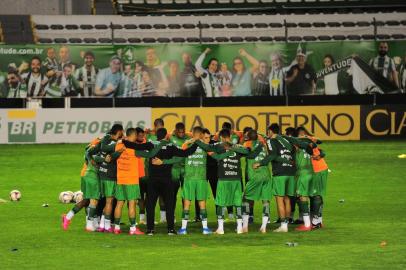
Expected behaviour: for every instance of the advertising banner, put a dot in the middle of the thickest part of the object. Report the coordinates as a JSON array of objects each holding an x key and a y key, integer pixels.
[
  {"x": 66, "y": 126},
  {"x": 324, "y": 122},
  {"x": 211, "y": 70},
  {"x": 383, "y": 122}
]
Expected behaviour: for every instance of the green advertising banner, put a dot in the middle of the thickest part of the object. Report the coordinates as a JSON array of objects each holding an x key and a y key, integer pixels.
[{"x": 212, "y": 70}]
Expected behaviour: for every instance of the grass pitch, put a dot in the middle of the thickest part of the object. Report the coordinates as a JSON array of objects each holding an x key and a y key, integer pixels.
[{"x": 366, "y": 231}]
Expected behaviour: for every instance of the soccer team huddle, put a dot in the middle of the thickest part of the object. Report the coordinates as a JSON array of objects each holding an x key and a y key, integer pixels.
[{"x": 139, "y": 167}]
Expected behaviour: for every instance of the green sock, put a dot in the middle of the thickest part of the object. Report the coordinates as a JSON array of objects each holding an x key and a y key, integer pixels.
[
  {"x": 321, "y": 207},
  {"x": 219, "y": 212},
  {"x": 92, "y": 212},
  {"x": 304, "y": 208},
  {"x": 238, "y": 209},
  {"x": 76, "y": 209},
  {"x": 117, "y": 221},
  {"x": 185, "y": 214},
  {"x": 246, "y": 208},
  {"x": 317, "y": 203},
  {"x": 265, "y": 209},
  {"x": 203, "y": 214},
  {"x": 132, "y": 222}
]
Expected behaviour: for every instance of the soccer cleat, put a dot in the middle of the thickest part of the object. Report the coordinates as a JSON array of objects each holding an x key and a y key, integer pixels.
[
  {"x": 298, "y": 222},
  {"x": 117, "y": 231},
  {"x": 109, "y": 230},
  {"x": 262, "y": 230},
  {"x": 198, "y": 219},
  {"x": 206, "y": 231},
  {"x": 280, "y": 229},
  {"x": 245, "y": 229},
  {"x": 65, "y": 222},
  {"x": 142, "y": 221},
  {"x": 96, "y": 223},
  {"x": 317, "y": 226},
  {"x": 172, "y": 232},
  {"x": 221, "y": 232},
  {"x": 182, "y": 231},
  {"x": 89, "y": 226},
  {"x": 150, "y": 232},
  {"x": 303, "y": 228},
  {"x": 251, "y": 220},
  {"x": 100, "y": 229},
  {"x": 135, "y": 232}
]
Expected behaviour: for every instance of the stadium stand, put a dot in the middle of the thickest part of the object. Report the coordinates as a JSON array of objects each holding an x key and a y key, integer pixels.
[
  {"x": 16, "y": 29},
  {"x": 222, "y": 28},
  {"x": 139, "y": 7}
]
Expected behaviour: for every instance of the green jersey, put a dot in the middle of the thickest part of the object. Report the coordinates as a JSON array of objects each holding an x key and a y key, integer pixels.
[
  {"x": 91, "y": 170},
  {"x": 281, "y": 147},
  {"x": 107, "y": 170},
  {"x": 230, "y": 167},
  {"x": 303, "y": 162},
  {"x": 195, "y": 165},
  {"x": 178, "y": 168},
  {"x": 256, "y": 156}
]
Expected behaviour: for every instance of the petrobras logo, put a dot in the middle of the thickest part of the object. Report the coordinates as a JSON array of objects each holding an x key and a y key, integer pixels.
[
  {"x": 21, "y": 126},
  {"x": 66, "y": 125}
]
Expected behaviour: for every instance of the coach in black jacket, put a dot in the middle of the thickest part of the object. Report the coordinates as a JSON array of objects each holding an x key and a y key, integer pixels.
[{"x": 160, "y": 183}]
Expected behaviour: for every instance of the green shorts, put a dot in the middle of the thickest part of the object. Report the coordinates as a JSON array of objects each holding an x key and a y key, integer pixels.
[
  {"x": 304, "y": 184},
  {"x": 90, "y": 186},
  {"x": 229, "y": 193},
  {"x": 107, "y": 187},
  {"x": 319, "y": 183},
  {"x": 195, "y": 190},
  {"x": 258, "y": 190},
  {"x": 177, "y": 174},
  {"x": 127, "y": 192},
  {"x": 283, "y": 185}
]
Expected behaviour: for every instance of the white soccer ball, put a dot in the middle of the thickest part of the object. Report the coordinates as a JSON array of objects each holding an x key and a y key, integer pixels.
[
  {"x": 66, "y": 196},
  {"x": 15, "y": 195},
  {"x": 78, "y": 196}
]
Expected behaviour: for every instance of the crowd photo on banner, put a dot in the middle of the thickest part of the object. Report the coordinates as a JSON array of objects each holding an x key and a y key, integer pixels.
[
  {"x": 204, "y": 70},
  {"x": 138, "y": 168}
]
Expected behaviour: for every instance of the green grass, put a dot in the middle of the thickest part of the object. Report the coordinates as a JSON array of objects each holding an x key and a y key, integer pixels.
[{"x": 368, "y": 175}]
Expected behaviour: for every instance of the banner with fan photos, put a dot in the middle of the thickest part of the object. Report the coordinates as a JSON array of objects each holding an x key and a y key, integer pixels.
[{"x": 211, "y": 70}]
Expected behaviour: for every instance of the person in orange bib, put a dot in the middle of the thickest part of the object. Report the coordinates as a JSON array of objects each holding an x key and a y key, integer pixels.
[
  {"x": 129, "y": 171},
  {"x": 321, "y": 170}
]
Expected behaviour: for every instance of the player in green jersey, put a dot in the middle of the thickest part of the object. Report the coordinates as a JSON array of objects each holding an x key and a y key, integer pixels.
[
  {"x": 229, "y": 190},
  {"x": 259, "y": 186},
  {"x": 178, "y": 138},
  {"x": 283, "y": 173},
  {"x": 90, "y": 188},
  {"x": 304, "y": 177},
  {"x": 108, "y": 174},
  {"x": 235, "y": 137},
  {"x": 195, "y": 186}
]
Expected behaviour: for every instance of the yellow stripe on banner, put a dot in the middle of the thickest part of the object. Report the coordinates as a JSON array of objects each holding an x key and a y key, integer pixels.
[{"x": 21, "y": 114}]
